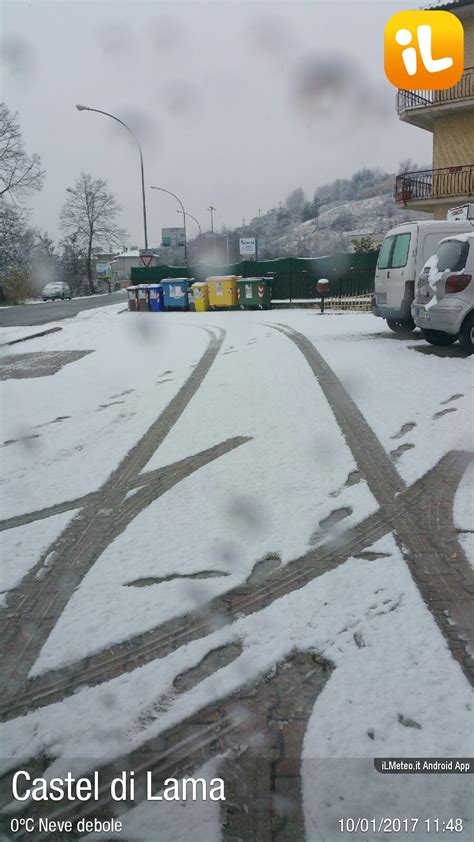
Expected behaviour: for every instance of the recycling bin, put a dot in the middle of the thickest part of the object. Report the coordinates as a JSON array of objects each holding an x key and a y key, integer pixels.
[
  {"x": 143, "y": 297},
  {"x": 175, "y": 293},
  {"x": 132, "y": 298},
  {"x": 222, "y": 291},
  {"x": 254, "y": 293},
  {"x": 201, "y": 297},
  {"x": 156, "y": 298}
]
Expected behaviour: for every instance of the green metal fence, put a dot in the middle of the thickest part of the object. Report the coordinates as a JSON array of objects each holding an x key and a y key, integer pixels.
[{"x": 293, "y": 278}]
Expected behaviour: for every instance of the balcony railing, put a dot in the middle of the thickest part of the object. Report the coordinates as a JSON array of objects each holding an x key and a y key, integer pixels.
[
  {"x": 435, "y": 184},
  {"x": 464, "y": 89}
]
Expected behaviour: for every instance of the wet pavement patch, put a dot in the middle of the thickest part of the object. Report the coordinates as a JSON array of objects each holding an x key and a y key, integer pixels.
[
  {"x": 39, "y": 364},
  {"x": 153, "y": 580},
  {"x": 440, "y": 351},
  {"x": 214, "y": 660},
  {"x": 444, "y": 412},
  {"x": 395, "y": 454},
  {"x": 404, "y": 430}
]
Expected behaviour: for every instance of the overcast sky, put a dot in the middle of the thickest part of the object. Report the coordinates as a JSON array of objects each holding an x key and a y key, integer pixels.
[{"x": 236, "y": 103}]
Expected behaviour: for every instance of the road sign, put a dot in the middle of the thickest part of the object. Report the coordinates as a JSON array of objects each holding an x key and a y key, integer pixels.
[
  {"x": 145, "y": 259},
  {"x": 103, "y": 270},
  {"x": 172, "y": 237},
  {"x": 248, "y": 246}
]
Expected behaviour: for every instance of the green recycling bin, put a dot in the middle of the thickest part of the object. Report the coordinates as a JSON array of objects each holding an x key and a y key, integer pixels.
[{"x": 254, "y": 293}]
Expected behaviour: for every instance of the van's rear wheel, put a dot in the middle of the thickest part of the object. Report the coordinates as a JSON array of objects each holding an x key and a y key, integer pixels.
[
  {"x": 466, "y": 334},
  {"x": 401, "y": 325},
  {"x": 438, "y": 337}
]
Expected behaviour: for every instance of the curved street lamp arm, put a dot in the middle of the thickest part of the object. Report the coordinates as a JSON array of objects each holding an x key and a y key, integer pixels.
[
  {"x": 185, "y": 214},
  {"x": 192, "y": 217},
  {"x": 197, "y": 223},
  {"x": 117, "y": 120}
]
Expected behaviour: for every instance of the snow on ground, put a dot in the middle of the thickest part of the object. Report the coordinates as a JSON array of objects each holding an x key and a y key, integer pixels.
[
  {"x": 22, "y": 546},
  {"x": 177, "y": 820},
  {"x": 108, "y": 399},
  {"x": 393, "y": 384},
  {"x": 12, "y": 334},
  {"x": 259, "y": 386},
  {"x": 284, "y": 476},
  {"x": 268, "y": 496},
  {"x": 404, "y": 669}
]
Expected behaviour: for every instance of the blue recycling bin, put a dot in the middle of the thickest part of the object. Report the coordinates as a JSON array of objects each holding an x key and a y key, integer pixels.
[
  {"x": 156, "y": 297},
  {"x": 175, "y": 293}
]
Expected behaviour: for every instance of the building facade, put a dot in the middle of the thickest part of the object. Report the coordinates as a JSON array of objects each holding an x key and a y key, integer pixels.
[
  {"x": 123, "y": 263},
  {"x": 449, "y": 116}
]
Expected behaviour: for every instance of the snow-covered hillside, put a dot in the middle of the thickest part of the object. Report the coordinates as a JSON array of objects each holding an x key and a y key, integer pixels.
[{"x": 337, "y": 224}]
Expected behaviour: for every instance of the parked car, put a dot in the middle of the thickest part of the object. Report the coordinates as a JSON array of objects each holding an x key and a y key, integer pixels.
[
  {"x": 404, "y": 252},
  {"x": 56, "y": 289},
  {"x": 444, "y": 302}
]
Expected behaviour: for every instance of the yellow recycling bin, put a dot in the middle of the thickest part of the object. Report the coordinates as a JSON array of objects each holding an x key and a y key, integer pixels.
[
  {"x": 222, "y": 291},
  {"x": 200, "y": 296}
]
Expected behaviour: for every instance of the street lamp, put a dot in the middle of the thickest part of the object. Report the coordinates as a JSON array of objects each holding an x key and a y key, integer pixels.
[
  {"x": 211, "y": 209},
  {"x": 162, "y": 189},
  {"x": 117, "y": 120},
  {"x": 192, "y": 217}
]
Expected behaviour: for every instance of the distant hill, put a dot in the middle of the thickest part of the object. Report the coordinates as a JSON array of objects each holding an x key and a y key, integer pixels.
[
  {"x": 339, "y": 212},
  {"x": 333, "y": 230}
]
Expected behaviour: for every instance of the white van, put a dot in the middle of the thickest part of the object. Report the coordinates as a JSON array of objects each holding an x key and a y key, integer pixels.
[{"x": 402, "y": 257}]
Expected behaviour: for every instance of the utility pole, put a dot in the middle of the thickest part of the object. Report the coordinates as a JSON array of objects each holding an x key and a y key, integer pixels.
[{"x": 212, "y": 209}]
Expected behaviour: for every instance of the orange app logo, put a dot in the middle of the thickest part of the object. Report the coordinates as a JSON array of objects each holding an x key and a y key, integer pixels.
[{"x": 424, "y": 50}]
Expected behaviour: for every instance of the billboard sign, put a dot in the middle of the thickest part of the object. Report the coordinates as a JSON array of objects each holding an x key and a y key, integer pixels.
[
  {"x": 172, "y": 237},
  {"x": 103, "y": 270},
  {"x": 248, "y": 246}
]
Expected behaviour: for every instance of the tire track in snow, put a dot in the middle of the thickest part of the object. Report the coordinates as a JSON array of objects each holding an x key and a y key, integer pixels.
[
  {"x": 420, "y": 517},
  {"x": 34, "y": 606}
]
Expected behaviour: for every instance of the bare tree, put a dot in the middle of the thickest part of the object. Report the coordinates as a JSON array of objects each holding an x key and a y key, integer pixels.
[
  {"x": 90, "y": 214},
  {"x": 20, "y": 174},
  {"x": 73, "y": 263}
]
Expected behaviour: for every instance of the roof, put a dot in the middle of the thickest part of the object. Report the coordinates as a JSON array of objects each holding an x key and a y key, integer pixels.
[{"x": 449, "y": 5}]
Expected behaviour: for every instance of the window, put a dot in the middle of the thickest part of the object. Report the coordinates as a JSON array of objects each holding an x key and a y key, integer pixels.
[
  {"x": 384, "y": 256},
  {"x": 452, "y": 255},
  {"x": 400, "y": 251},
  {"x": 394, "y": 252}
]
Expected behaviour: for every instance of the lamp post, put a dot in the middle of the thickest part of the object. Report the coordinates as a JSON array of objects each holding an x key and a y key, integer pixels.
[
  {"x": 162, "y": 189},
  {"x": 211, "y": 209},
  {"x": 117, "y": 120},
  {"x": 185, "y": 214},
  {"x": 195, "y": 220}
]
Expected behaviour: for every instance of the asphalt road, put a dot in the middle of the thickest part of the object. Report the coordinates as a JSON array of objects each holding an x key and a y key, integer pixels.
[{"x": 53, "y": 311}]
